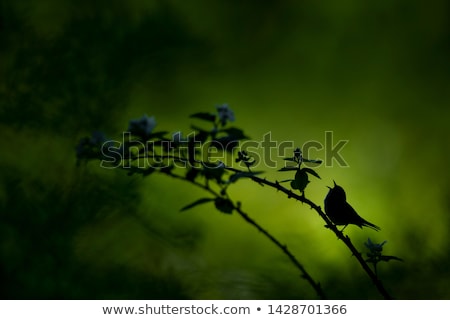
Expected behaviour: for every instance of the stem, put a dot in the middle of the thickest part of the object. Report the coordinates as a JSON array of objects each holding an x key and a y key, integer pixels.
[{"x": 304, "y": 274}]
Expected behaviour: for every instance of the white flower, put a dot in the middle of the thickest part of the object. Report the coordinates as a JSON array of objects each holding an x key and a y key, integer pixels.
[
  {"x": 225, "y": 113},
  {"x": 142, "y": 127}
]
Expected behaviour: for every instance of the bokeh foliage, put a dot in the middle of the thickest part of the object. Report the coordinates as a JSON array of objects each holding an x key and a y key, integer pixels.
[{"x": 376, "y": 74}]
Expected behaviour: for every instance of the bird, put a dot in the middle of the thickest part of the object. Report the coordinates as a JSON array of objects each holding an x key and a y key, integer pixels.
[{"x": 340, "y": 212}]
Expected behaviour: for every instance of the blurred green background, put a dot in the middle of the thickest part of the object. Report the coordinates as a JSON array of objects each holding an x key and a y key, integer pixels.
[{"x": 374, "y": 73}]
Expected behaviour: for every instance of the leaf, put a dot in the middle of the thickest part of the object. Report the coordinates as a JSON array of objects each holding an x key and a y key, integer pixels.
[
  {"x": 212, "y": 171},
  {"x": 312, "y": 172},
  {"x": 289, "y": 169},
  {"x": 227, "y": 143},
  {"x": 204, "y": 116},
  {"x": 237, "y": 176},
  {"x": 312, "y": 161},
  {"x": 249, "y": 163},
  {"x": 192, "y": 174},
  {"x": 301, "y": 180},
  {"x": 196, "y": 203},
  {"x": 158, "y": 134},
  {"x": 166, "y": 168},
  {"x": 387, "y": 258},
  {"x": 202, "y": 135},
  {"x": 224, "y": 205},
  {"x": 294, "y": 185}
]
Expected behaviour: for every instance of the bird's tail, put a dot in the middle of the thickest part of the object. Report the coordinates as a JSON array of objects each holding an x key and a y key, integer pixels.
[{"x": 366, "y": 223}]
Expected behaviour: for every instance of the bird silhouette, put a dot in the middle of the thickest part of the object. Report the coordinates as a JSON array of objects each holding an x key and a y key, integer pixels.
[{"x": 341, "y": 212}]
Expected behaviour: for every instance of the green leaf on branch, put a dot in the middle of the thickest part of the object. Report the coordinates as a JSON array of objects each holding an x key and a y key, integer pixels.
[
  {"x": 312, "y": 172},
  {"x": 312, "y": 161},
  {"x": 224, "y": 205},
  {"x": 227, "y": 143},
  {"x": 196, "y": 203},
  {"x": 301, "y": 180},
  {"x": 202, "y": 135},
  {"x": 303, "y": 160},
  {"x": 192, "y": 173},
  {"x": 213, "y": 171},
  {"x": 207, "y": 116},
  {"x": 157, "y": 135},
  {"x": 387, "y": 258},
  {"x": 289, "y": 169}
]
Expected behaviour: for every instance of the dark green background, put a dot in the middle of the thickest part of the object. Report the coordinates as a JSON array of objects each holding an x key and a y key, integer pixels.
[{"x": 376, "y": 74}]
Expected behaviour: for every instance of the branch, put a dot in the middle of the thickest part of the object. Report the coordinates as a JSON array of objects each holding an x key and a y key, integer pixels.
[
  {"x": 276, "y": 185},
  {"x": 304, "y": 274},
  {"x": 329, "y": 225}
]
